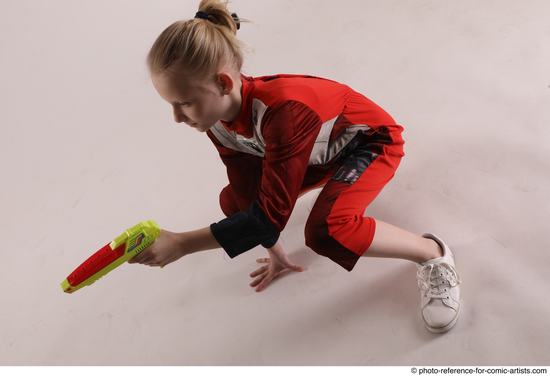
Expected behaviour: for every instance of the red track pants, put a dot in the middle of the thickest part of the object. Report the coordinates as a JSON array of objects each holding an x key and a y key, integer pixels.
[{"x": 336, "y": 227}]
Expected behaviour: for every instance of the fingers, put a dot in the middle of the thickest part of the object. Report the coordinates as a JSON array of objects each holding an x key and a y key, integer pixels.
[
  {"x": 155, "y": 263},
  {"x": 257, "y": 280},
  {"x": 264, "y": 283},
  {"x": 263, "y": 272},
  {"x": 140, "y": 258},
  {"x": 144, "y": 260},
  {"x": 263, "y": 280},
  {"x": 282, "y": 258},
  {"x": 134, "y": 259},
  {"x": 265, "y": 276},
  {"x": 259, "y": 271}
]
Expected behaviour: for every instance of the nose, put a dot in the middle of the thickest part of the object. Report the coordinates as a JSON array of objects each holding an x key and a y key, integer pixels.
[
  {"x": 179, "y": 119},
  {"x": 179, "y": 116}
]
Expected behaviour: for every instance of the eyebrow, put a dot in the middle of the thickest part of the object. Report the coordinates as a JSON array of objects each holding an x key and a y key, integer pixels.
[{"x": 182, "y": 101}]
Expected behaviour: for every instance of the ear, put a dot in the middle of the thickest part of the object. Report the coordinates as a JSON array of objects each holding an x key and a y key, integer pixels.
[{"x": 225, "y": 83}]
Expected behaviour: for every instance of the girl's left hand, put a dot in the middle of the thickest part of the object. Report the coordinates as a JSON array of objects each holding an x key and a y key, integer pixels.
[{"x": 166, "y": 249}]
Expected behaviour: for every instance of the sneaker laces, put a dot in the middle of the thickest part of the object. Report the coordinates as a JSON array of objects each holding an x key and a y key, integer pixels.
[{"x": 433, "y": 279}]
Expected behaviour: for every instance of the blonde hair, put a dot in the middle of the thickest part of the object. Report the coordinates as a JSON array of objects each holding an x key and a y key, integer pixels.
[{"x": 199, "y": 47}]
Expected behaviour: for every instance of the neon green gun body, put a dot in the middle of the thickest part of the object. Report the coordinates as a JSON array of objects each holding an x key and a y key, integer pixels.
[{"x": 121, "y": 249}]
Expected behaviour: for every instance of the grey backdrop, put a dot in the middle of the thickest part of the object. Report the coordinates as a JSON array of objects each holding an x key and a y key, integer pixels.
[{"x": 89, "y": 149}]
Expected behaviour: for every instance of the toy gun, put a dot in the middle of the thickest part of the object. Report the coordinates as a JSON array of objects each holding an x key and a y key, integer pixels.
[{"x": 123, "y": 248}]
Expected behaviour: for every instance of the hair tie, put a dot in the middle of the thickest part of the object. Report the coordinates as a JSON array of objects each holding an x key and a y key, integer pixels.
[
  {"x": 205, "y": 16},
  {"x": 236, "y": 19},
  {"x": 201, "y": 14}
]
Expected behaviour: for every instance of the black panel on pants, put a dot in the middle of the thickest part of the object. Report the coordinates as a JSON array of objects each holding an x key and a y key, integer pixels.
[{"x": 359, "y": 153}]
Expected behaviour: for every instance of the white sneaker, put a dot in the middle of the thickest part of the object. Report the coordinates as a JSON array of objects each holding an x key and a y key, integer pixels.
[{"x": 439, "y": 291}]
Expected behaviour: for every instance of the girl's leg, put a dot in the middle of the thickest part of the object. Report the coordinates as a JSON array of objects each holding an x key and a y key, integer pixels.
[{"x": 393, "y": 242}]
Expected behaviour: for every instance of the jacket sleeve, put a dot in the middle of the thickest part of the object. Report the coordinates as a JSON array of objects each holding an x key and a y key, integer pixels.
[
  {"x": 243, "y": 172},
  {"x": 289, "y": 130}
]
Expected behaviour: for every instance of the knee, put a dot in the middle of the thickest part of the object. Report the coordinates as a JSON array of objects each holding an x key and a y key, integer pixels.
[
  {"x": 323, "y": 232},
  {"x": 316, "y": 234},
  {"x": 339, "y": 224},
  {"x": 319, "y": 228}
]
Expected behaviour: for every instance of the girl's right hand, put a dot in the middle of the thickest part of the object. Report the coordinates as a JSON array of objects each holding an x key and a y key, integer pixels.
[{"x": 277, "y": 264}]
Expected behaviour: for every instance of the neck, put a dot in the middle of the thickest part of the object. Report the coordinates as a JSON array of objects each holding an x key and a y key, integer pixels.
[{"x": 236, "y": 99}]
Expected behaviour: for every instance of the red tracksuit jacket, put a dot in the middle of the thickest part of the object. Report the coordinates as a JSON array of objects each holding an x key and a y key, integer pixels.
[{"x": 291, "y": 135}]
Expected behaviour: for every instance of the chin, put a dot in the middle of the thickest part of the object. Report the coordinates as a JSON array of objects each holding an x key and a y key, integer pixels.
[{"x": 204, "y": 128}]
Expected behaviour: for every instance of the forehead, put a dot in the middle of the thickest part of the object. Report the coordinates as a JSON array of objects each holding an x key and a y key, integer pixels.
[{"x": 177, "y": 87}]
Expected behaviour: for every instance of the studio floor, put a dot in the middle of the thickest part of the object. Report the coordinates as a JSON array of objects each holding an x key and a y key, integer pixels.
[{"x": 88, "y": 149}]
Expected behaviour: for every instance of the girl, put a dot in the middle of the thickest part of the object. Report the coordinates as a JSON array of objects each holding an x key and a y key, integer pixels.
[{"x": 280, "y": 136}]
